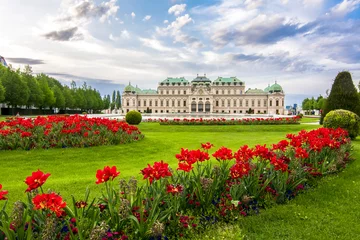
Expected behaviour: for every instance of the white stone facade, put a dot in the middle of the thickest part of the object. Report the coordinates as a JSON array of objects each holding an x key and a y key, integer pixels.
[{"x": 224, "y": 95}]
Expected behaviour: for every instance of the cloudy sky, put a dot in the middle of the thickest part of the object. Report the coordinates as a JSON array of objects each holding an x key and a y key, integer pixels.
[{"x": 301, "y": 44}]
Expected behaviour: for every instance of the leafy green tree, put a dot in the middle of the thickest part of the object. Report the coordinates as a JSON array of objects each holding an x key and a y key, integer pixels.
[
  {"x": 36, "y": 96},
  {"x": 59, "y": 97},
  {"x": 49, "y": 98},
  {"x": 69, "y": 98},
  {"x": 106, "y": 102},
  {"x": 343, "y": 95},
  {"x": 118, "y": 100},
  {"x": 2, "y": 92},
  {"x": 16, "y": 90},
  {"x": 113, "y": 97}
]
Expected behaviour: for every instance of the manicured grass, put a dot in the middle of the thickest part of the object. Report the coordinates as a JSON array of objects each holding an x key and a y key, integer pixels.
[
  {"x": 305, "y": 119},
  {"x": 73, "y": 169}
]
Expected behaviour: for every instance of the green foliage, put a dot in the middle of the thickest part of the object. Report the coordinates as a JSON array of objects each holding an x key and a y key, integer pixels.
[
  {"x": 2, "y": 92},
  {"x": 49, "y": 98},
  {"x": 16, "y": 90},
  {"x": 343, "y": 95},
  {"x": 133, "y": 117},
  {"x": 343, "y": 119},
  {"x": 118, "y": 100},
  {"x": 36, "y": 96},
  {"x": 59, "y": 97}
]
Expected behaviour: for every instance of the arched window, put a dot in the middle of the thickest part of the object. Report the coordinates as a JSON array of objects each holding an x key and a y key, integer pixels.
[
  {"x": 200, "y": 106},
  {"x": 193, "y": 106},
  {"x": 207, "y": 107}
]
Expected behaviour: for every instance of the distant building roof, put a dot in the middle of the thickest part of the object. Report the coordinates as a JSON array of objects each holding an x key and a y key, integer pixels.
[
  {"x": 275, "y": 88},
  {"x": 228, "y": 80},
  {"x": 255, "y": 91},
  {"x": 148, "y": 91},
  {"x": 171, "y": 80},
  {"x": 202, "y": 79}
]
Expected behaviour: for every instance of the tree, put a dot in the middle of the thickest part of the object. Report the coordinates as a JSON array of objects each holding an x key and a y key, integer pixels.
[
  {"x": 343, "y": 95},
  {"x": 69, "y": 98},
  {"x": 2, "y": 92},
  {"x": 59, "y": 97},
  {"x": 16, "y": 90},
  {"x": 36, "y": 96},
  {"x": 106, "y": 102},
  {"x": 113, "y": 97},
  {"x": 118, "y": 100},
  {"x": 49, "y": 98}
]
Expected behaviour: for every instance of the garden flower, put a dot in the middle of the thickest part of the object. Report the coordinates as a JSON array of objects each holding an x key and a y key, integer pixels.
[
  {"x": 206, "y": 146},
  {"x": 26, "y": 134},
  {"x": 239, "y": 170},
  {"x": 37, "y": 179},
  {"x": 185, "y": 167},
  {"x": 301, "y": 153},
  {"x": 51, "y": 201},
  {"x": 3, "y": 193},
  {"x": 174, "y": 189},
  {"x": 81, "y": 204},
  {"x": 157, "y": 171},
  {"x": 105, "y": 174},
  {"x": 223, "y": 154},
  {"x": 244, "y": 154}
]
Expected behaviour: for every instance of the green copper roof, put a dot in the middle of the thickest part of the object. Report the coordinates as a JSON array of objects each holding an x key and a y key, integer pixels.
[
  {"x": 129, "y": 88},
  {"x": 175, "y": 80},
  {"x": 228, "y": 80},
  {"x": 267, "y": 89},
  {"x": 275, "y": 88},
  {"x": 203, "y": 79},
  {"x": 148, "y": 91},
  {"x": 255, "y": 91}
]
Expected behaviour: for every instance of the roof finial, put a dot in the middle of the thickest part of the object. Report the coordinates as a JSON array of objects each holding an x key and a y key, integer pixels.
[
  {"x": 197, "y": 75},
  {"x": 205, "y": 74},
  {"x": 275, "y": 82}
]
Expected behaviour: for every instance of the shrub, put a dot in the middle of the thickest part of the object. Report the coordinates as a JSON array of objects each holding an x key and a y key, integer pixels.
[
  {"x": 300, "y": 115},
  {"x": 344, "y": 119},
  {"x": 133, "y": 117},
  {"x": 343, "y": 95}
]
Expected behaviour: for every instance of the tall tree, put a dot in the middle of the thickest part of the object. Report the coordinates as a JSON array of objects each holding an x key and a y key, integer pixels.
[
  {"x": 118, "y": 100},
  {"x": 59, "y": 97},
  {"x": 343, "y": 95},
  {"x": 16, "y": 90},
  {"x": 2, "y": 92},
  {"x": 69, "y": 98},
  {"x": 49, "y": 98},
  {"x": 36, "y": 96}
]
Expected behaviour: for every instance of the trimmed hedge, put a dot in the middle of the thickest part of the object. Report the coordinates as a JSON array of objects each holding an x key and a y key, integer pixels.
[
  {"x": 344, "y": 119},
  {"x": 133, "y": 117}
]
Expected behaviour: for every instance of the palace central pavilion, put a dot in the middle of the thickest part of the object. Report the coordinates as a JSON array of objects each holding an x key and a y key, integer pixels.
[{"x": 201, "y": 95}]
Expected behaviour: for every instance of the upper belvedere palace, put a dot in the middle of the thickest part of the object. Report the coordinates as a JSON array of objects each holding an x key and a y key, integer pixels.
[{"x": 201, "y": 95}]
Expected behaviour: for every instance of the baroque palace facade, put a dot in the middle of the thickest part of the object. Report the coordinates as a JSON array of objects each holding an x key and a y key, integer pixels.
[{"x": 201, "y": 95}]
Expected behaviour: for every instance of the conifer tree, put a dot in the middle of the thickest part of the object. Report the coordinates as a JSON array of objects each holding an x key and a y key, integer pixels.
[{"x": 343, "y": 95}]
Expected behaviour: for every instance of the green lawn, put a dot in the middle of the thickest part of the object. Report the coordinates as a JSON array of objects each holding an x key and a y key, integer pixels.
[
  {"x": 306, "y": 119},
  {"x": 329, "y": 211}
]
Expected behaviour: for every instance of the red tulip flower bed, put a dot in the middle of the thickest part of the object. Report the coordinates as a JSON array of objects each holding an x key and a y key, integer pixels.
[
  {"x": 178, "y": 203},
  {"x": 223, "y": 121},
  {"x": 64, "y": 131}
]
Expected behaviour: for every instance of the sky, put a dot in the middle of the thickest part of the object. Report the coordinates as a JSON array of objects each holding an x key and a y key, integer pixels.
[{"x": 301, "y": 44}]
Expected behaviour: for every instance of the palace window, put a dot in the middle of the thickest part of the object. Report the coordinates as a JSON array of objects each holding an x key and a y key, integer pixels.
[
  {"x": 240, "y": 102},
  {"x": 217, "y": 92},
  {"x": 139, "y": 103},
  {"x": 270, "y": 103},
  {"x": 223, "y": 103},
  {"x": 228, "y": 91},
  {"x": 161, "y": 103},
  {"x": 283, "y": 102},
  {"x": 234, "y": 102},
  {"x": 178, "y": 91},
  {"x": 228, "y": 103},
  {"x": 173, "y": 103},
  {"x": 150, "y": 103},
  {"x": 217, "y": 103},
  {"x": 184, "y": 91},
  {"x": 167, "y": 91},
  {"x": 156, "y": 103},
  {"x": 277, "y": 103},
  {"x": 253, "y": 103},
  {"x": 246, "y": 103},
  {"x": 184, "y": 103},
  {"x": 259, "y": 103},
  {"x": 127, "y": 102},
  {"x": 223, "y": 92},
  {"x": 173, "y": 92},
  {"x": 240, "y": 91},
  {"x": 144, "y": 103},
  {"x": 264, "y": 103},
  {"x": 161, "y": 92},
  {"x": 133, "y": 102},
  {"x": 167, "y": 103}
]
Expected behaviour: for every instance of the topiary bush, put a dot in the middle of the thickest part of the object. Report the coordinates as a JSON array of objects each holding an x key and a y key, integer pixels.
[
  {"x": 344, "y": 119},
  {"x": 133, "y": 117}
]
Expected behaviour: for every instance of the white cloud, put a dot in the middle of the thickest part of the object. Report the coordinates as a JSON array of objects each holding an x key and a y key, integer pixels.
[
  {"x": 147, "y": 18},
  {"x": 166, "y": 21},
  {"x": 133, "y": 15},
  {"x": 253, "y": 4},
  {"x": 345, "y": 7},
  {"x": 177, "y": 9},
  {"x": 155, "y": 44},
  {"x": 123, "y": 35}
]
